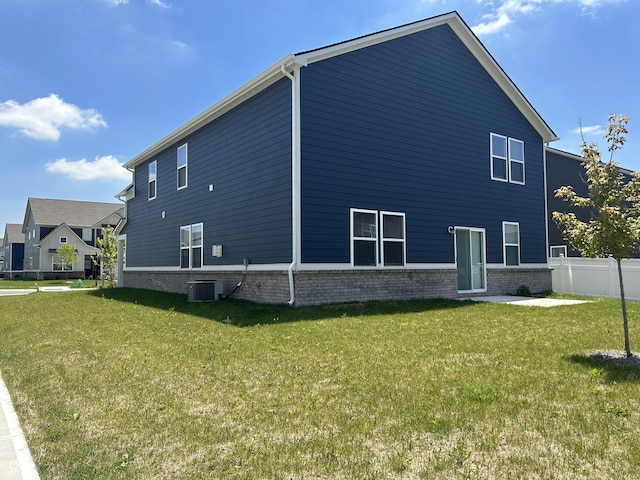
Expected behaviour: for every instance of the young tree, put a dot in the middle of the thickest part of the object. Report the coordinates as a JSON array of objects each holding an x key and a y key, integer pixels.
[
  {"x": 67, "y": 255},
  {"x": 108, "y": 255},
  {"x": 614, "y": 230}
]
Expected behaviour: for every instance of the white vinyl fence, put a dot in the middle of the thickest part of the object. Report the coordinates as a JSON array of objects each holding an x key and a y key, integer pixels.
[{"x": 595, "y": 276}]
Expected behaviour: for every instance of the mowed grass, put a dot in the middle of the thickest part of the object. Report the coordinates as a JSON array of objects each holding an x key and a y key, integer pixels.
[{"x": 130, "y": 384}]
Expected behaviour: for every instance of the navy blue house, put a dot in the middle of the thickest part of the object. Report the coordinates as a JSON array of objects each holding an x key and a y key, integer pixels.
[
  {"x": 564, "y": 168},
  {"x": 402, "y": 164}
]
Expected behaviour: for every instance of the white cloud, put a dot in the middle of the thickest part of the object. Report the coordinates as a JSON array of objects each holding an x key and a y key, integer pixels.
[
  {"x": 43, "y": 118},
  {"x": 159, "y": 3},
  {"x": 105, "y": 167},
  {"x": 505, "y": 12},
  {"x": 116, "y": 3},
  {"x": 589, "y": 130}
]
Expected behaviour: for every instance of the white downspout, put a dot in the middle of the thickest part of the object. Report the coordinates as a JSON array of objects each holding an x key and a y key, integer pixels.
[{"x": 295, "y": 176}]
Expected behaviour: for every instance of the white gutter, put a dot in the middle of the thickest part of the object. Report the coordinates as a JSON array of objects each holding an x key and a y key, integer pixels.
[{"x": 295, "y": 176}]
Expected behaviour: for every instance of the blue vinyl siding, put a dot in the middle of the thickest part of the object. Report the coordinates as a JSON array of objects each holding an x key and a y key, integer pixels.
[
  {"x": 405, "y": 126},
  {"x": 246, "y": 155}
]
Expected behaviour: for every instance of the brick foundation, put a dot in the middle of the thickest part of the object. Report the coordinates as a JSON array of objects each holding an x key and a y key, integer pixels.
[{"x": 339, "y": 286}]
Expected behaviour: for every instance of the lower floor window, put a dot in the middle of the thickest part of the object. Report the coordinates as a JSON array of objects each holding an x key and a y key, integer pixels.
[
  {"x": 377, "y": 238},
  {"x": 191, "y": 246},
  {"x": 558, "y": 251},
  {"x": 511, "y": 235},
  {"x": 58, "y": 266}
]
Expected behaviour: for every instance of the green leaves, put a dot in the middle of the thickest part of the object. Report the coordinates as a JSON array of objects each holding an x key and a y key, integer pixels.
[{"x": 613, "y": 200}]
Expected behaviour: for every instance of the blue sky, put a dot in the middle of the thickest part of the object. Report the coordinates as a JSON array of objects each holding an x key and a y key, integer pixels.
[{"x": 85, "y": 85}]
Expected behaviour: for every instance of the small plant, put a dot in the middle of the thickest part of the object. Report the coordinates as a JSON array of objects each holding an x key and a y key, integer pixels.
[{"x": 523, "y": 291}]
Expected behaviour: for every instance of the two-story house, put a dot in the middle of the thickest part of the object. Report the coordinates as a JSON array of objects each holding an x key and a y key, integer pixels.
[
  {"x": 49, "y": 223},
  {"x": 401, "y": 164},
  {"x": 13, "y": 246}
]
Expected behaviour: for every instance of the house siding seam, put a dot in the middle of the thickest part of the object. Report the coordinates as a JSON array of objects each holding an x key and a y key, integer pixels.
[
  {"x": 404, "y": 126},
  {"x": 246, "y": 156}
]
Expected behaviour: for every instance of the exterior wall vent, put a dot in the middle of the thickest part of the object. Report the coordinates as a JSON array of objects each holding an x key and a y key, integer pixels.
[{"x": 205, "y": 291}]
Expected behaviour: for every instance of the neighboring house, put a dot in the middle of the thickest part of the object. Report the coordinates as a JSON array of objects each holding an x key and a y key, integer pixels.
[
  {"x": 566, "y": 169},
  {"x": 50, "y": 223},
  {"x": 401, "y": 164},
  {"x": 13, "y": 246}
]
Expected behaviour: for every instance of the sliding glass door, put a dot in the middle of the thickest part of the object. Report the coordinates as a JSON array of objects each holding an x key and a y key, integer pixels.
[{"x": 470, "y": 259}]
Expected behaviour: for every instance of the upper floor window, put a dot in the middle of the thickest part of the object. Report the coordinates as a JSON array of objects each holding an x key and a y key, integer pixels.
[
  {"x": 507, "y": 159},
  {"x": 182, "y": 166},
  {"x": 511, "y": 236},
  {"x": 63, "y": 239},
  {"x": 87, "y": 234},
  {"x": 191, "y": 246},
  {"x": 153, "y": 175},
  {"x": 377, "y": 238}
]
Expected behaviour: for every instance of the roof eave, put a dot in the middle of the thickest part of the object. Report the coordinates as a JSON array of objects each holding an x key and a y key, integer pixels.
[{"x": 249, "y": 89}]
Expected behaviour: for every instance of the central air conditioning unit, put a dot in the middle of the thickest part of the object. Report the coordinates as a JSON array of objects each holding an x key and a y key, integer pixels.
[{"x": 205, "y": 291}]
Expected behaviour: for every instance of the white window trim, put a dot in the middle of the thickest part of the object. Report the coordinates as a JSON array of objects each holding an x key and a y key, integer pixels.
[
  {"x": 61, "y": 269},
  {"x": 513, "y": 160},
  {"x": 191, "y": 246},
  {"x": 505, "y": 244},
  {"x": 384, "y": 239},
  {"x": 508, "y": 159},
  {"x": 185, "y": 166},
  {"x": 379, "y": 238},
  {"x": 561, "y": 247},
  {"x": 355, "y": 237},
  {"x": 152, "y": 178},
  {"x": 87, "y": 232}
]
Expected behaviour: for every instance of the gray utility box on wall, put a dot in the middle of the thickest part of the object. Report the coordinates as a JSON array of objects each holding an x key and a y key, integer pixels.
[{"x": 205, "y": 291}]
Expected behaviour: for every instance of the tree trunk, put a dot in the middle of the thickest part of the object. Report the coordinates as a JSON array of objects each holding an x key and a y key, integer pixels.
[{"x": 625, "y": 321}]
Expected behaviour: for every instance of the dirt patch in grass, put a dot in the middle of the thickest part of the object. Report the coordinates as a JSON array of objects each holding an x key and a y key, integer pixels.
[{"x": 616, "y": 356}]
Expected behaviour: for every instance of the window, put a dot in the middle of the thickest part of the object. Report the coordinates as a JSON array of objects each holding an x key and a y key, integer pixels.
[
  {"x": 511, "y": 234},
  {"x": 507, "y": 159},
  {"x": 393, "y": 244},
  {"x": 87, "y": 234},
  {"x": 182, "y": 166},
  {"x": 191, "y": 246},
  {"x": 367, "y": 249},
  {"x": 152, "y": 180},
  {"x": 58, "y": 266},
  {"x": 559, "y": 251},
  {"x": 63, "y": 239}
]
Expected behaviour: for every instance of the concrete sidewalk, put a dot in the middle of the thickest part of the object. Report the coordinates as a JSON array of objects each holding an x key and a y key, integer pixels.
[
  {"x": 16, "y": 462},
  {"x": 528, "y": 301}
]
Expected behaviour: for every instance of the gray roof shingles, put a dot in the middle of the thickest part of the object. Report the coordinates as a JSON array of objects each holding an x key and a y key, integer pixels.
[{"x": 74, "y": 213}]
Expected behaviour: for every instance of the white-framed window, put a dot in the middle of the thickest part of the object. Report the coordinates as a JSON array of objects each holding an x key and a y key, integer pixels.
[
  {"x": 182, "y": 166},
  {"x": 57, "y": 265},
  {"x": 393, "y": 244},
  {"x": 507, "y": 159},
  {"x": 153, "y": 179},
  {"x": 364, "y": 237},
  {"x": 377, "y": 238},
  {"x": 87, "y": 234},
  {"x": 511, "y": 237},
  {"x": 558, "y": 251},
  {"x": 63, "y": 239},
  {"x": 191, "y": 246}
]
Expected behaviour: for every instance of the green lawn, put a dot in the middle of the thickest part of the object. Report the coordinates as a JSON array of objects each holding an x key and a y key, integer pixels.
[
  {"x": 130, "y": 384},
  {"x": 22, "y": 283}
]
